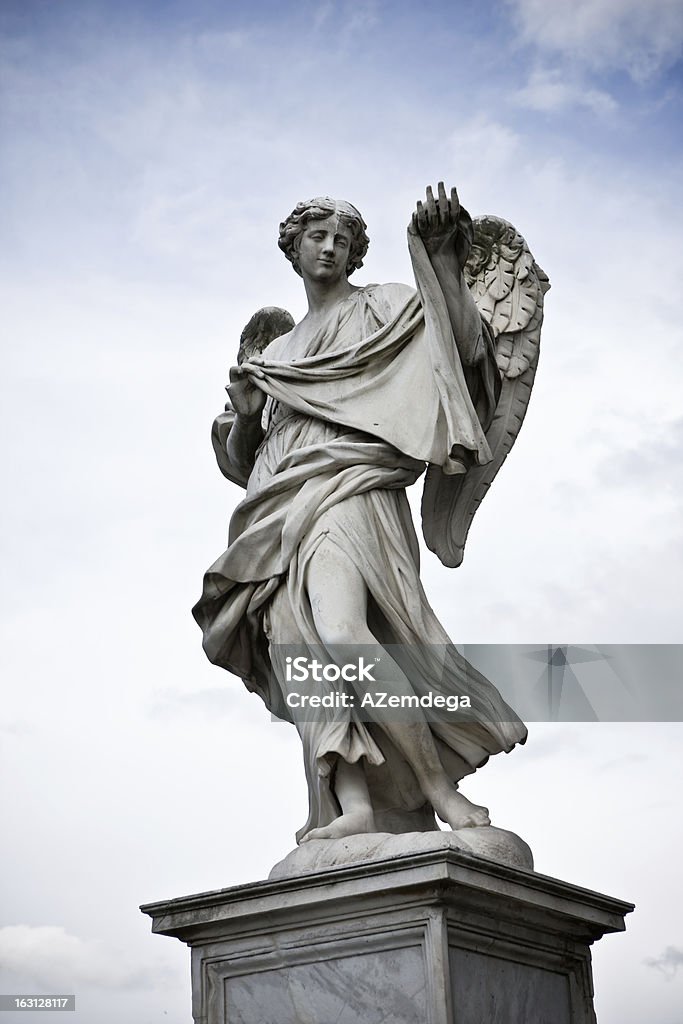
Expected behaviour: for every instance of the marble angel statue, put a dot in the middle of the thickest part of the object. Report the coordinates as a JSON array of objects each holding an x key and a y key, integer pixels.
[{"x": 329, "y": 421}]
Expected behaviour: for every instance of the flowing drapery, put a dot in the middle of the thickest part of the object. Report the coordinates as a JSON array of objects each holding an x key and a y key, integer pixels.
[{"x": 355, "y": 413}]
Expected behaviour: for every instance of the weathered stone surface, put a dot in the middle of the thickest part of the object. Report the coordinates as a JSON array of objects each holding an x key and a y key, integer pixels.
[
  {"x": 434, "y": 937},
  {"x": 329, "y": 421},
  {"x": 321, "y": 854},
  {"x": 388, "y": 985}
]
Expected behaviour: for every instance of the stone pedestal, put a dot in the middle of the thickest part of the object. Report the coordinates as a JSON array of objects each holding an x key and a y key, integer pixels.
[{"x": 440, "y": 936}]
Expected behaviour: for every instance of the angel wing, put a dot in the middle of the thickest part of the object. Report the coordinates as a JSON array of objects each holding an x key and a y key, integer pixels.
[
  {"x": 508, "y": 287},
  {"x": 265, "y": 325}
]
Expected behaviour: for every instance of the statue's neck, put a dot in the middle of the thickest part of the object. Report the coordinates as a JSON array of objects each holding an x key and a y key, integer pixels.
[{"x": 323, "y": 297}]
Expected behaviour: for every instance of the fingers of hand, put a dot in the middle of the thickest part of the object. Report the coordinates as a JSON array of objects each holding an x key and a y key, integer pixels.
[
  {"x": 444, "y": 210},
  {"x": 239, "y": 388},
  {"x": 246, "y": 399},
  {"x": 421, "y": 216},
  {"x": 455, "y": 204},
  {"x": 432, "y": 211},
  {"x": 438, "y": 214}
]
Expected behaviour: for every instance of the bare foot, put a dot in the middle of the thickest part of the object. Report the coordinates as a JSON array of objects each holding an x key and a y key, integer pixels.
[
  {"x": 352, "y": 823},
  {"x": 457, "y": 811}
]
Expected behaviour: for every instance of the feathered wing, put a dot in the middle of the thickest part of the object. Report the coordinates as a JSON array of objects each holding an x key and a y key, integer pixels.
[{"x": 508, "y": 287}]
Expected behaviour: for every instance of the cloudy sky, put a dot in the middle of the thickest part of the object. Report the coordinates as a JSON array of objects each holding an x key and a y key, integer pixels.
[{"x": 149, "y": 151}]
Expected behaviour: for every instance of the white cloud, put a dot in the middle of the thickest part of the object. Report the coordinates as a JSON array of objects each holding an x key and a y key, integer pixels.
[
  {"x": 353, "y": 17},
  {"x": 481, "y": 149},
  {"x": 211, "y": 703},
  {"x": 221, "y": 45},
  {"x": 117, "y": 506},
  {"x": 53, "y": 959},
  {"x": 668, "y": 963},
  {"x": 362, "y": 16},
  {"x": 323, "y": 12},
  {"x": 550, "y": 90},
  {"x": 641, "y": 37},
  {"x": 590, "y": 486}
]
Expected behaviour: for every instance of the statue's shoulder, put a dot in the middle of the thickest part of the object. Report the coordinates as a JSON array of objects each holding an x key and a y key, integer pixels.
[{"x": 390, "y": 298}]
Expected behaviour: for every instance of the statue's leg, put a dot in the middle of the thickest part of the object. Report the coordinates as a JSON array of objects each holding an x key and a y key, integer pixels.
[
  {"x": 351, "y": 790},
  {"x": 338, "y": 596}
]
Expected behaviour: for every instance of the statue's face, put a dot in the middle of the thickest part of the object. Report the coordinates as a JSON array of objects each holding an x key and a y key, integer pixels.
[{"x": 324, "y": 250}]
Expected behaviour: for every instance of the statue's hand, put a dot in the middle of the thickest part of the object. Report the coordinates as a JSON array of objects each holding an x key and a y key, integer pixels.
[
  {"x": 436, "y": 220},
  {"x": 247, "y": 400}
]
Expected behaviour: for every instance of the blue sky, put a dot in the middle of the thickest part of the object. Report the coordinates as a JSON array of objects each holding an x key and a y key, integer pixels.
[
  {"x": 103, "y": 94},
  {"x": 148, "y": 153}
]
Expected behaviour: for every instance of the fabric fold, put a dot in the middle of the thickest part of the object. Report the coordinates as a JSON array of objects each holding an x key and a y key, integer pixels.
[{"x": 355, "y": 413}]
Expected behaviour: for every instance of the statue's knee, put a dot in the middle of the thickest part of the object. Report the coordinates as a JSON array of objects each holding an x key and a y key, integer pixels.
[
  {"x": 335, "y": 635},
  {"x": 344, "y": 634}
]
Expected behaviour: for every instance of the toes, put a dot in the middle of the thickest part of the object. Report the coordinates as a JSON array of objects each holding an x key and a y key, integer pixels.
[
  {"x": 341, "y": 828},
  {"x": 479, "y": 818},
  {"x": 317, "y": 833}
]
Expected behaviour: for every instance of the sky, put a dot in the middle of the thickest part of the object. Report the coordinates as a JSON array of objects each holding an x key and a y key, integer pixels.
[{"x": 148, "y": 152}]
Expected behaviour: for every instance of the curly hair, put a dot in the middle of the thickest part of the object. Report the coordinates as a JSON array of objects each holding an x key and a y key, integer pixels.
[{"x": 321, "y": 208}]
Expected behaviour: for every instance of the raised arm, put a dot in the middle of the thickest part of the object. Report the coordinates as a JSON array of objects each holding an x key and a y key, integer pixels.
[{"x": 436, "y": 221}]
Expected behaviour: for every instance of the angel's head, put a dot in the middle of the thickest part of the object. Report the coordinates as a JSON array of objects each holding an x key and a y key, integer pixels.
[{"x": 322, "y": 208}]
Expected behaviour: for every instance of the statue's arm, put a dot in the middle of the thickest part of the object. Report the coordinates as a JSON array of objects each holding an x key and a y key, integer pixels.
[
  {"x": 462, "y": 310},
  {"x": 243, "y": 440},
  {"x": 437, "y": 222},
  {"x": 238, "y": 433},
  {"x": 247, "y": 432}
]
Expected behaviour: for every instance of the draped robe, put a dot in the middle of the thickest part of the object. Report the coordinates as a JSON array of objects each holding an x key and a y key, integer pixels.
[{"x": 354, "y": 414}]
